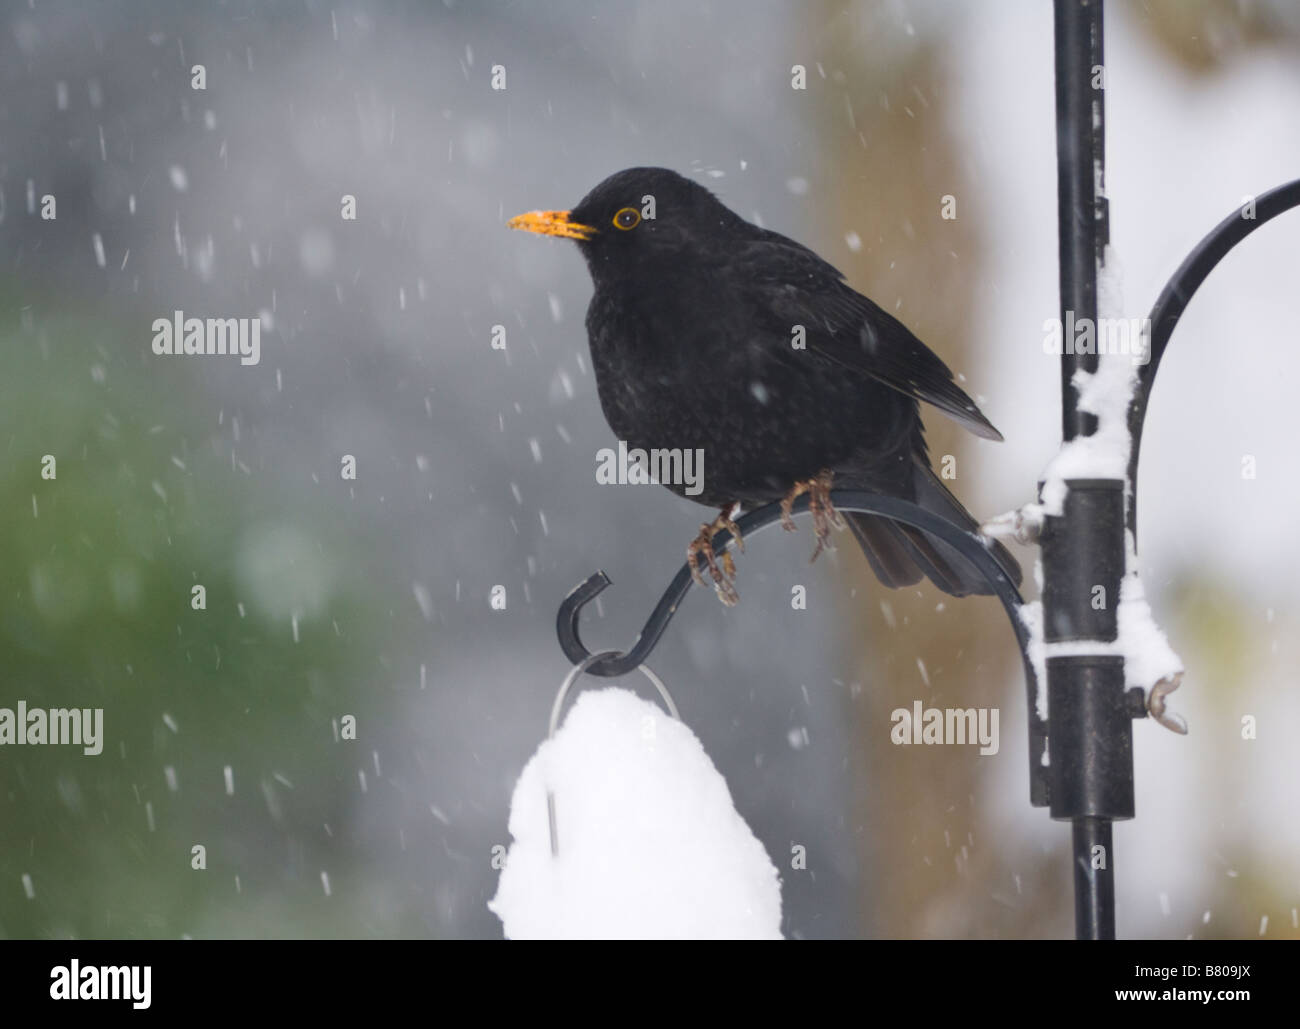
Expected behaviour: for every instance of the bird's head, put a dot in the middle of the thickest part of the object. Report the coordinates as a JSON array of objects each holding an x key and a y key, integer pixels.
[{"x": 636, "y": 219}]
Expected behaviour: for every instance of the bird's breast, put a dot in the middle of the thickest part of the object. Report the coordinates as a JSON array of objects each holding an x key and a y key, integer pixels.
[{"x": 672, "y": 372}]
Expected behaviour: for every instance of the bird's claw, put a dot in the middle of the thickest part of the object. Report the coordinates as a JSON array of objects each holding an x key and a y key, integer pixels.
[
  {"x": 824, "y": 515},
  {"x": 722, "y": 572}
]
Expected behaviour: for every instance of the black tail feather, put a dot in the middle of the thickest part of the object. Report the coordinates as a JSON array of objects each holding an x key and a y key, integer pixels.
[
  {"x": 900, "y": 555},
  {"x": 886, "y": 548}
]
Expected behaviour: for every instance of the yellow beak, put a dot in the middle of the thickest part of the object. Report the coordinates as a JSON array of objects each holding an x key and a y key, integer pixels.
[{"x": 551, "y": 223}]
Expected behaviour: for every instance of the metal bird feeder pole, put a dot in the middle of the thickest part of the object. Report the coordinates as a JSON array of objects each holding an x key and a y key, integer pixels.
[
  {"x": 1091, "y": 748},
  {"x": 1090, "y": 782},
  {"x": 1081, "y": 757}
]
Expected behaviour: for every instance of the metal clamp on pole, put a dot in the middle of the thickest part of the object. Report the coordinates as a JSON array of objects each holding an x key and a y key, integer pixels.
[{"x": 1089, "y": 718}]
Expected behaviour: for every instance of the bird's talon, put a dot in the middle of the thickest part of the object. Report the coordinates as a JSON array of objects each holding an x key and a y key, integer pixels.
[
  {"x": 701, "y": 546},
  {"x": 724, "y": 521},
  {"x": 787, "y": 502},
  {"x": 824, "y": 515},
  {"x": 723, "y": 574},
  {"x": 693, "y": 560}
]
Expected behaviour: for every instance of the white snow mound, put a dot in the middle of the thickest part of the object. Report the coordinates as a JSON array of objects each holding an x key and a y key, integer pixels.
[{"x": 650, "y": 844}]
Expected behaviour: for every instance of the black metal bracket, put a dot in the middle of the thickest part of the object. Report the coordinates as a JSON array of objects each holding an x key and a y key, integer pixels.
[
  {"x": 1178, "y": 293},
  {"x": 970, "y": 546}
]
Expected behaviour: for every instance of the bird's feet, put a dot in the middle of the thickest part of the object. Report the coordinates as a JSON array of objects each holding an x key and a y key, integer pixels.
[
  {"x": 823, "y": 512},
  {"x": 722, "y": 572}
]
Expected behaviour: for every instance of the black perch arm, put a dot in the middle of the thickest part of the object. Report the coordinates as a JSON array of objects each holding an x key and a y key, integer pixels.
[
  {"x": 1177, "y": 294},
  {"x": 969, "y": 545}
]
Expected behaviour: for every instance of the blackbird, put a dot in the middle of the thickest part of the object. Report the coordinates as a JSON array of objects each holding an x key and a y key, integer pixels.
[{"x": 709, "y": 333}]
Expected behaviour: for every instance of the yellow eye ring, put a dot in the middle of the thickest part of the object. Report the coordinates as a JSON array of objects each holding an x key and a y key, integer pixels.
[{"x": 627, "y": 218}]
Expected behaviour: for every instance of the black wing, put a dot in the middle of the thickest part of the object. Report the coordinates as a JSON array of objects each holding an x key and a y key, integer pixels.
[{"x": 796, "y": 287}]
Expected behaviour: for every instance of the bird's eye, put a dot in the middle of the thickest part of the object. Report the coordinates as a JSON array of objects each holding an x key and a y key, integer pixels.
[{"x": 627, "y": 218}]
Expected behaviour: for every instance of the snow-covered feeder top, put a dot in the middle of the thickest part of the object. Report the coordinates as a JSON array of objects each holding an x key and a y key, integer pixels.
[{"x": 649, "y": 842}]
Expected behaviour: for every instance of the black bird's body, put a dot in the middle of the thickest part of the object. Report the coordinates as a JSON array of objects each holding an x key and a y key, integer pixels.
[
  {"x": 764, "y": 413},
  {"x": 710, "y": 333}
]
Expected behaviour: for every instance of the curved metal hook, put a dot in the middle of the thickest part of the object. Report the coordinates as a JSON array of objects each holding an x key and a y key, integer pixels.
[
  {"x": 969, "y": 545},
  {"x": 575, "y": 673},
  {"x": 1177, "y": 294}
]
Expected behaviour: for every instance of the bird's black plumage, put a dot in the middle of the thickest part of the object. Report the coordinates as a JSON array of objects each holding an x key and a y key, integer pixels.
[{"x": 709, "y": 332}]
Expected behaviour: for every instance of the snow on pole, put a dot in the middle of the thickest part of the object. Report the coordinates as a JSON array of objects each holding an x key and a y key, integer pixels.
[
  {"x": 650, "y": 845},
  {"x": 1149, "y": 661}
]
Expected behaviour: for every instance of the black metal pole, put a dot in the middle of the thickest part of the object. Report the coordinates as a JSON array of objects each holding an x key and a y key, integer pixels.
[
  {"x": 1081, "y": 206},
  {"x": 1094, "y": 893},
  {"x": 1089, "y": 719}
]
